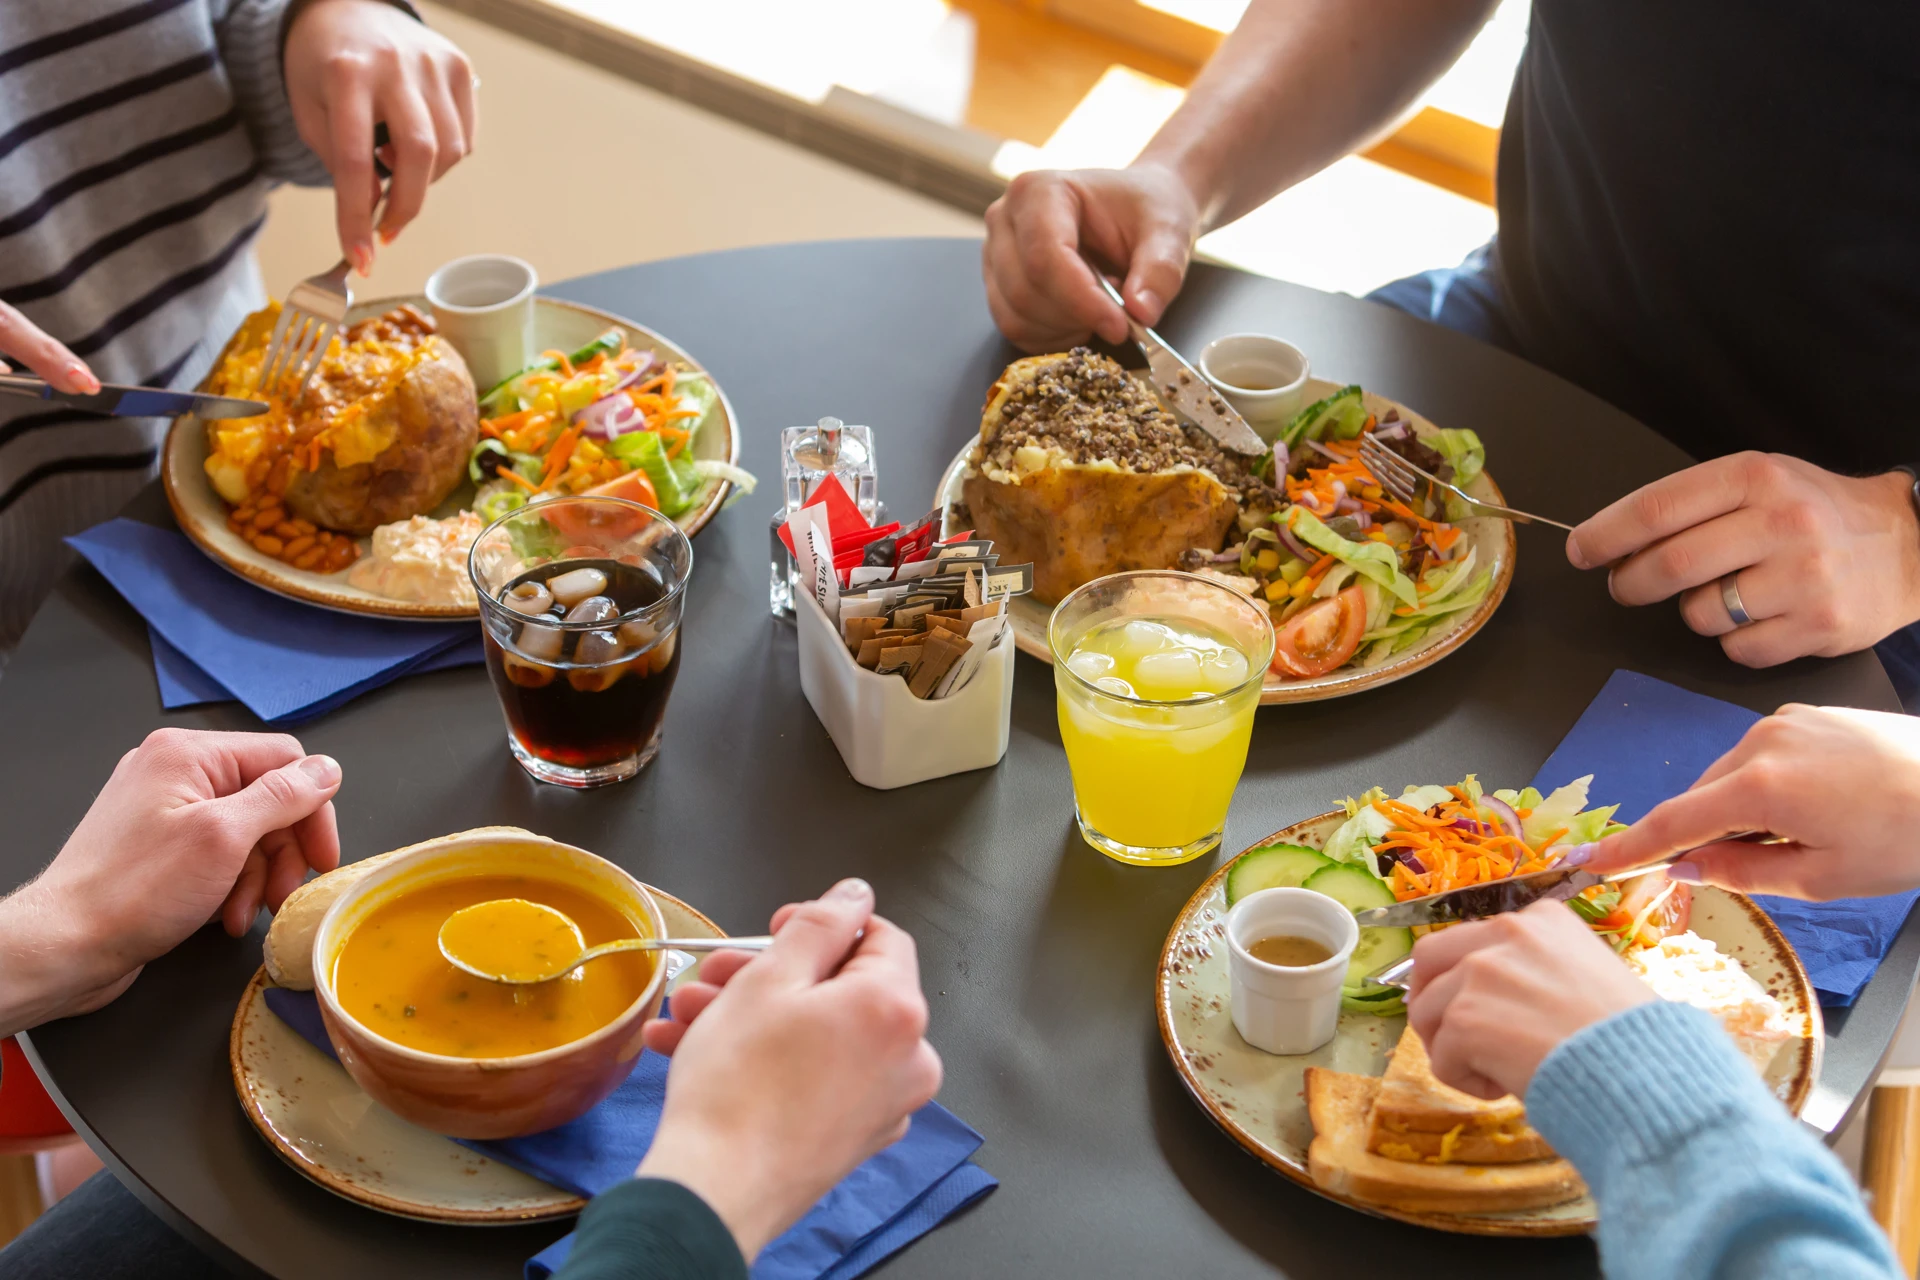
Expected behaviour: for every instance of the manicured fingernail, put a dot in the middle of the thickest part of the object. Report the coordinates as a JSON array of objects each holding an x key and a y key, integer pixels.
[
  {"x": 1575, "y": 556},
  {"x": 1149, "y": 301},
  {"x": 851, "y": 891},
  {"x": 84, "y": 377},
  {"x": 362, "y": 255},
  {"x": 1684, "y": 872},
  {"x": 324, "y": 770},
  {"x": 388, "y": 237},
  {"x": 1577, "y": 855}
]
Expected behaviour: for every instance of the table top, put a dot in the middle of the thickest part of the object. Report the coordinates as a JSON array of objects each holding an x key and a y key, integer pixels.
[{"x": 1038, "y": 954}]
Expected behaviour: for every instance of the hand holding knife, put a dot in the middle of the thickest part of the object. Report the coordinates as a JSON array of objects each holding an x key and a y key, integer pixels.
[
  {"x": 132, "y": 402},
  {"x": 1564, "y": 880}
]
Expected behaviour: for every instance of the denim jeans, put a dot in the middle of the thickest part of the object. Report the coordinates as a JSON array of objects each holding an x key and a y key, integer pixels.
[
  {"x": 100, "y": 1232},
  {"x": 1467, "y": 298}
]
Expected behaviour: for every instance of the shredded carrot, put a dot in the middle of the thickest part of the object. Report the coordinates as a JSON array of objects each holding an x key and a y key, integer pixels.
[
  {"x": 559, "y": 358},
  {"x": 518, "y": 479},
  {"x": 559, "y": 456}
]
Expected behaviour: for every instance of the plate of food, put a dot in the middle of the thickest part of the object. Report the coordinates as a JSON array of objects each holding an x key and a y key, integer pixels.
[
  {"x": 325, "y": 1125},
  {"x": 364, "y": 494},
  {"x": 1079, "y": 468},
  {"x": 1362, "y": 1120}
]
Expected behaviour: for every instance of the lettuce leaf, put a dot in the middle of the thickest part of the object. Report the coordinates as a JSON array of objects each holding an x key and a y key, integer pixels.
[
  {"x": 1462, "y": 450},
  {"x": 1374, "y": 560},
  {"x": 1354, "y": 839},
  {"x": 1566, "y": 808},
  {"x": 674, "y": 479}
]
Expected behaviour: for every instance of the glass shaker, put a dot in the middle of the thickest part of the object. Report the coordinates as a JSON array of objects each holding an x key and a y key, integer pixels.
[{"x": 807, "y": 456}]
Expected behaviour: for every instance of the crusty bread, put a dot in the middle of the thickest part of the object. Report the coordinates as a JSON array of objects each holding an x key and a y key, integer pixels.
[
  {"x": 1416, "y": 1117},
  {"x": 1339, "y": 1162},
  {"x": 288, "y": 951}
]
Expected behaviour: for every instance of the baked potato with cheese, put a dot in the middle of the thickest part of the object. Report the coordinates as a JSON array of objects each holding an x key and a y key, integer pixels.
[
  {"x": 1080, "y": 469},
  {"x": 381, "y": 433}
]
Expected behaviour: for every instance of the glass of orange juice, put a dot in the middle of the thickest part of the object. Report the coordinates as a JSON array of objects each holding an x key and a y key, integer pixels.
[{"x": 1158, "y": 674}]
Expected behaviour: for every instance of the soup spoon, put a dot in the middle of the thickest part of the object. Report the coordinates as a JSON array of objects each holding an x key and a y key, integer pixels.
[{"x": 515, "y": 941}]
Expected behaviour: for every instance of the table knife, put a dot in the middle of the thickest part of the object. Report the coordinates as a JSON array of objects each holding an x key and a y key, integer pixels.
[
  {"x": 133, "y": 402},
  {"x": 1478, "y": 901},
  {"x": 1183, "y": 388}
]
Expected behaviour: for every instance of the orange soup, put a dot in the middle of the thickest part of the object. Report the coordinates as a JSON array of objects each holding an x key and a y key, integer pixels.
[{"x": 389, "y": 974}]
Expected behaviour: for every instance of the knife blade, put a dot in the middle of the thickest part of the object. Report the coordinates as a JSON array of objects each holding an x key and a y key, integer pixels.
[
  {"x": 1478, "y": 901},
  {"x": 115, "y": 401},
  {"x": 1182, "y": 386}
]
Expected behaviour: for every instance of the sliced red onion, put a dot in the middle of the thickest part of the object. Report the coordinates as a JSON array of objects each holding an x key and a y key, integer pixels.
[
  {"x": 646, "y": 361},
  {"x": 1339, "y": 492},
  {"x": 1503, "y": 814},
  {"x": 1319, "y": 448},
  {"x": 1365, "y": 520},
  {"x": 1230, "y": 556},
  {"x": 1292, "y": 543},
  {"x": 1392, "y": 431},
  {"x": 1347, "y": 507},
  {"x": 1282, "y": 463}
]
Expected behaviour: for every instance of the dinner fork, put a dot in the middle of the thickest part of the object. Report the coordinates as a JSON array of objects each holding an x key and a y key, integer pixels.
[
  {"x": 315, "y": 310},
  {"x": 1403, "y": 479}
]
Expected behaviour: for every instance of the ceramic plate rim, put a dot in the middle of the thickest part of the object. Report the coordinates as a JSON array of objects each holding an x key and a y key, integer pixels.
[
  {"x": 1460, "y": 1224},
  {"x": 315, "y": 589},
  {"x": 564, "y": 1205},
  {"x": 1345, "y": 680}
]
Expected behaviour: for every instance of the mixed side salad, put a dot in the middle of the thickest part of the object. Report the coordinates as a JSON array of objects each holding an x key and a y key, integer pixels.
[
  {"x": 1350, "y": 573},
  {"x": 1431, "y": 839},
  {"x": 604, "y": 420}
]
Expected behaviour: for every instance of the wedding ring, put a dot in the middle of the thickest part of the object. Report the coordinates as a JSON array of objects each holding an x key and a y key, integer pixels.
[{"x": 1730, "y": 596}]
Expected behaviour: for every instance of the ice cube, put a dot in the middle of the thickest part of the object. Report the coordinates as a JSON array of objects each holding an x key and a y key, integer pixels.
[
  {"x": 593, "y": 609},
  {"x": 1171, "y": 674},
  {"x": 1140, "y": 637},
  {"x": 575, "y": 585},
  {"x": 1115, "y": 685},
  {"x": 1223, "y": 669},
  {"x": 1090, "y": 666},
  {"x": 540, "y": 642}
]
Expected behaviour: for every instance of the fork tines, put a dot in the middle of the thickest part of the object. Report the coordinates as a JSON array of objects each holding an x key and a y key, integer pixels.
[
  {"x": 1391, "y": 470},
  {"x": 300, "y": 340}
]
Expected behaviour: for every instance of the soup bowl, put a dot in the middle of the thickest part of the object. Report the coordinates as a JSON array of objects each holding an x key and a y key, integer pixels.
[{"x": 488, "y": 1097}]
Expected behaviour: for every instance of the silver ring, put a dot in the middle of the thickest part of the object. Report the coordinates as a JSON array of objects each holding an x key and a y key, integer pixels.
[{"x": 1730, "y": 596}]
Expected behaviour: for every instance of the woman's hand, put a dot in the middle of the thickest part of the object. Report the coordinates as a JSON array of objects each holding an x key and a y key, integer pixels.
[
  {"x": 1494, "y": 997},
  {"x": 1043, "y": 295},
  {"x": 189, "y": 827},
  {"x": 23, "y": 341},
  {"x": 1843, "y": 785},
  {"x": 1825, "y": 564},
  {"x": 352, "y": 64},
  {"x": 793, "y": 1066}
]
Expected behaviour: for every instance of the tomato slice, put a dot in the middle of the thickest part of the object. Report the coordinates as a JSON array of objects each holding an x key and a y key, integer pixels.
[
  {"x": 1672, "y": 917},
  {"x": 1321, "y": 636},
  {"x": 602, "y": 527}
]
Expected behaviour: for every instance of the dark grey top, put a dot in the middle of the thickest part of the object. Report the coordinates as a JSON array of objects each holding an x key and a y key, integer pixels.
[{"x": 1038, "y": 954}]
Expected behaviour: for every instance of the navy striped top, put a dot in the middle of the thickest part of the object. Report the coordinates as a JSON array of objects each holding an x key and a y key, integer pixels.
[{"x": 138, "y": 141}]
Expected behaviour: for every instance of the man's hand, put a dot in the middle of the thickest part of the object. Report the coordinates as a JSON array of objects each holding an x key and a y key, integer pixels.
[
  {"x": 1493, "y": 998},
  {"x": 1043, "y": 295},
  {"x": 352, "y": 64},
  {"x": 1827, "y": 564},
  {"x": 799, "y": 1063},
  {"x": 21, "y": 339},
  {"x": 1843, "y": 785},
  {"x": 190, "y": 826}
]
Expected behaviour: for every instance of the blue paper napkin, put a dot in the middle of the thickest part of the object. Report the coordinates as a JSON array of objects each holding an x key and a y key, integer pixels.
[
  {"x": 1644, "y": 740},
  {"x": 286, "y": 661},
  {"x": 881, "y": 1207},
  {"x": 182, "y": 684}
]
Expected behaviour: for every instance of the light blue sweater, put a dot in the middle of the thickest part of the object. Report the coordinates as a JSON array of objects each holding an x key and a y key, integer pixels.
[{"x": 1698, "y": 1171}]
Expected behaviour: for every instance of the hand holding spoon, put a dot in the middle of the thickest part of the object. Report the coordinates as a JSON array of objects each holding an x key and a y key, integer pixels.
[{"x": 515, "y": 941}]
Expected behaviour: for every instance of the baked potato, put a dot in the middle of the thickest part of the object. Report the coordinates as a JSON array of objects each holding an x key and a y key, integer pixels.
[
  {"x": 1081, "y": 470},
  {"x": 381, "y": 433}
]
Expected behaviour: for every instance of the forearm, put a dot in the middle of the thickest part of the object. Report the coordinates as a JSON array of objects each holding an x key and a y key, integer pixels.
[
  {"x": 1697, "y": 1170},
  {"x": 1299, "y": 84},
  {"x": 45, "y": 961}
]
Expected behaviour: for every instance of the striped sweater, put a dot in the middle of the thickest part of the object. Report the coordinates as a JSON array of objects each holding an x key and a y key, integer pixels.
[{"x": 138, "y": 141}]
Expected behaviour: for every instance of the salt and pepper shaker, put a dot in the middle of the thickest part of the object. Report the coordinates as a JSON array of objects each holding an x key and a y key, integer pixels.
[{"x": 809, "y": 455}]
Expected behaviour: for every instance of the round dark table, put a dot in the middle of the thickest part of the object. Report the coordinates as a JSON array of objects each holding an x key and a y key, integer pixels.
[{"x": 1037, "y": 953}]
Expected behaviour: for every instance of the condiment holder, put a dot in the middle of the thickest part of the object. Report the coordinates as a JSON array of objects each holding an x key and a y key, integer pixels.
[{"x": 1288, "y": 1009}]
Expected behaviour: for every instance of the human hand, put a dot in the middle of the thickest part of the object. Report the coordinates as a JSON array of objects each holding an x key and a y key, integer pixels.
[
  {"x": 190, "y": 825},
  {"x": 1042, "y": 292},
  {"x": 1843, "y": 785},
  {"x": 797, "y": 1065},
  {"x": 1493, "y": 998},
  {"x": 351, "y": 64},
  {"x": 23, "y": 340},
  {"x": 1827, "y": 564}
]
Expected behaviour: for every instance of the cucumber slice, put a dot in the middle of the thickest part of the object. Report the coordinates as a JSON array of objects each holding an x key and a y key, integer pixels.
[
  {"x": 1392, "y": 1007},
  {"x": 1357, "y": 889},
  {"x": 1354, "y": 888},
  {"x": 1273, "y": 866}
]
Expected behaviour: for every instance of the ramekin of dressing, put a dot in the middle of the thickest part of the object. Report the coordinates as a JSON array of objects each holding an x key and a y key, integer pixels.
[{"x": 1288, "y": 1008}]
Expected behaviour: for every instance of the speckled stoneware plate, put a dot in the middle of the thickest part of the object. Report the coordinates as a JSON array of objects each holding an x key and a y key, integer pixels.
[
  {"x": 1260, "y": 1098},
  {"x": 1493, "y": 538},
  {"x": 319, "y": 1121},
  {"x": 566, "y": 326}
]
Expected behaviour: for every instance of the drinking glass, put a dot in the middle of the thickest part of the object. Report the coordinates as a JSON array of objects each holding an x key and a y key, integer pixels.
[
  {"x": 583, "y": 683},
  {"x": 1152, "y": 779}
]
